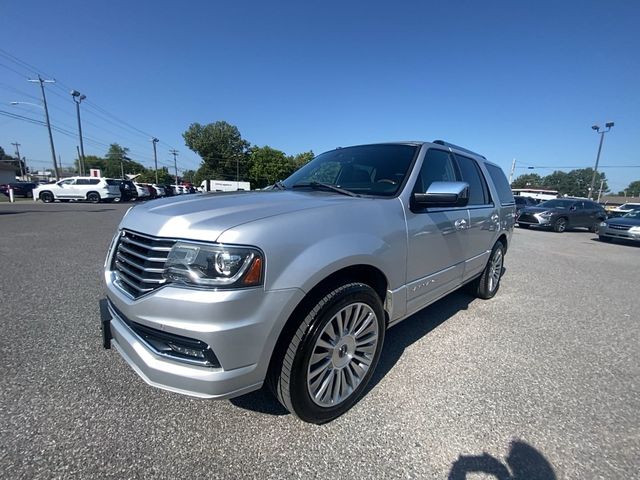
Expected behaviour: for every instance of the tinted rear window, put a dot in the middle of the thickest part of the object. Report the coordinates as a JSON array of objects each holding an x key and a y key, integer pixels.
[
  {"x": 502, "y": 185},
  {"x": 111, "y": 182}
]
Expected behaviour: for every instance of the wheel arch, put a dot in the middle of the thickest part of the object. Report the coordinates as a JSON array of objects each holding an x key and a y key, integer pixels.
[{"x": 362, "y": 273}]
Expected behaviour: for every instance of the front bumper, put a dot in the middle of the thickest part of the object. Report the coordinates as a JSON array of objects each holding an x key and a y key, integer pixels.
[
  {"x": 534, "y": 219},
  {"x": 241, "y": 328},
  {"x": 610, "y": 232}
]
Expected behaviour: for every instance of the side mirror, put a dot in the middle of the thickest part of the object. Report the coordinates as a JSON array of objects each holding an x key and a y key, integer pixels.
[{"x": 443, "y": 194}]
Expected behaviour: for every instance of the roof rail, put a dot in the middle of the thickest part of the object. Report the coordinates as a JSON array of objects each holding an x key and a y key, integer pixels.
[{"x": 462, "y": 149}]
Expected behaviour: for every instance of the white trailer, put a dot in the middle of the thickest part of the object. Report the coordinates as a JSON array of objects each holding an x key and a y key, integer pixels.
[{"x": 223, "y": 186}]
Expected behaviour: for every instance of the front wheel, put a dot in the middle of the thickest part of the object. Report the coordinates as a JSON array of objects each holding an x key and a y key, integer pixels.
[
  {"x": 333, "y": 354},
  {"x": 560, "y": 225},
  {"x": 47, "y": 197}
]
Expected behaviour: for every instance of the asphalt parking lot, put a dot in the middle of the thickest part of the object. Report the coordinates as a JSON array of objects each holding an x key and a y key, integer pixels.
[{"x": 541, "y": 382}]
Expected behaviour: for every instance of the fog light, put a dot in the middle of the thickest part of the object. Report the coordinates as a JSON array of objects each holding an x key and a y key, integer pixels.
[{"x": 189, "y": 352}]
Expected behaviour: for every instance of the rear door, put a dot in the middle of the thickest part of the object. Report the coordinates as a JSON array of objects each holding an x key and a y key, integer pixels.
[
  {"x": 435, "y": 261},
  {"x": 484, "y": 221}
]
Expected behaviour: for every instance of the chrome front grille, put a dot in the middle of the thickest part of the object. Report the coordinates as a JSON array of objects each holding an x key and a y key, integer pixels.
[
  {"x": 619, "y": 227},
  {"x": 138, "y": 262}
]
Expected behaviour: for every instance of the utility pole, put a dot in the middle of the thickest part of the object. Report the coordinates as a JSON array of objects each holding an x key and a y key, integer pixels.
[
  {"x": 175, "y": 163},
  {"x": 155, "y": 156},
  {"x": 22, "y": 169},
  {"x": 608, "y": 126},
  {"x": 78, "y": 98},
  {"x": 513, "y": 169},
  {"x": 600, "y": 191},
  {"x": 41, "y": 81}
]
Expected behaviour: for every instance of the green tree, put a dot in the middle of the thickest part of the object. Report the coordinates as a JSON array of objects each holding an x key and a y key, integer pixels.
[
  {"x": 189, "y": 176},
  {"x": 527, "y": 180},
  {"x": 221, "y": 147},
  {"x": 633, "y": 190},
  {"x": 301, "y": 159},
  {"x": 268, "y": 165},
  {"x": 149, "y": 176}
]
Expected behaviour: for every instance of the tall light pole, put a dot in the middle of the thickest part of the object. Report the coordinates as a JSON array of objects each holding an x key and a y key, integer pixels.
[
  {"x": 155, "y": 156},
  {"x": 175, "y": 163},
  {"x": 78, "y": 98},
  {"x": 608, "y": 127},
  {"x": 41, "y": 81}
]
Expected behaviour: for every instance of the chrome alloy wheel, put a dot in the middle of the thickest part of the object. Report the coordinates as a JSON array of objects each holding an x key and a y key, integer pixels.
[
  {"x": 495, "y": 270},
  {"x": 342, "y": 354}
]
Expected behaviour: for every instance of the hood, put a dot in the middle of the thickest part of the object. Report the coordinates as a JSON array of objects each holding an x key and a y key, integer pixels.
[
  {"x": 538, "y": 209},
  {"x": 206, "y": 216},
  {"x": 633, "y": 222}
]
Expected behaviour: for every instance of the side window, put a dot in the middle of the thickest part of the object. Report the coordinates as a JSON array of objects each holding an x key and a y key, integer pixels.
[
  {"x": 68, "y": 181},
  {"x": 478, "y": 191},
  {"x": 437, "y": 167},
  {"x": 579, "y": 205},
  {"x": 82, "y": 181},
  {"x": 93, "y": 181},
  {"x": 501, "y": 183}
]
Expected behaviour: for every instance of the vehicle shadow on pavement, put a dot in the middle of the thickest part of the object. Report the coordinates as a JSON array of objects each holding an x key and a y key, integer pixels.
[
  {"x": 397, "y": 339},
  {"x": 409, "y": 331},
  {"x": 523, "y": 463},
  {"x": 618, "y": 241}
]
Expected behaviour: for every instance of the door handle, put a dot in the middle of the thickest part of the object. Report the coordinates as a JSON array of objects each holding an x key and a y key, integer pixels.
[{"x": 460, "y": 224}]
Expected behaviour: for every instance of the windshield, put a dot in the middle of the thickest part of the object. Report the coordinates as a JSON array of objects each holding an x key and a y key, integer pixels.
[
  {"x": 633, "y": 214},
  {"x": 365, "y": 170},
  {"x": 629, "y": 206},
  {"x": 556, "y": 204}
]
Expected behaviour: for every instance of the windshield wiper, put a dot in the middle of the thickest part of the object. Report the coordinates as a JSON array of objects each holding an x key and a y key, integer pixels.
[
  {"x": 279, "y": 185},
  {"x": 326, "y": 186}
]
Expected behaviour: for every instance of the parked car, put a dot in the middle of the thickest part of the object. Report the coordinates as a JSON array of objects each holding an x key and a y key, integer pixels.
[
  {"x": 626, "y": 227},
  {"x": 522, "y": 202},
  {"x": 215, "y": 295},
  {"x": 128, "y": 190},
  {"x": 143, "y": 191},
  {"x": 622, "y": 209},
  {"x": 91, "y": 189},
  {"x": 159, "y": 190},
  {"x": 562, "y": 213},
  {"x": 20, "y": 189}
]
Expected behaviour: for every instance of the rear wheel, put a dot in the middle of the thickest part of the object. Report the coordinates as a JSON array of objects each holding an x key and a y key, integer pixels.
[
  {"x": 333, "y": 354},
  {"x": 560, "y": 225},
  {"x": 47, "y": 197},
  {"x": 93, "y": 197}
]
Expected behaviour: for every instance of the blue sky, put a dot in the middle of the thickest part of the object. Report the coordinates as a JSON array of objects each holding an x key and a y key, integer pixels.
[{"x": 522, "y": 80}]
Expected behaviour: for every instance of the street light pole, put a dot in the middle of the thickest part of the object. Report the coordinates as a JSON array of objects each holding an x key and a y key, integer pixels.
[
  {"x": 78, "y": 98},
  {"x": 608, "y": 127},
  {"x": 41, "y": 81},
  {"x": 155, "y": 156},
  {"x": 175, "y": 163}
]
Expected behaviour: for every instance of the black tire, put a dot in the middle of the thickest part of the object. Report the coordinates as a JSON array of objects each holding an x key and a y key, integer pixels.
[
  {"x": 560, "y": 225},
  {"x": 523, "y": 225},
  {"x": 47, "y": 197},
  {"x": 292, "y": 378},
  {"x": 605, "y": 239},
  {"x": 93, "y": 197},
  {"x": 487, "y": 285}
]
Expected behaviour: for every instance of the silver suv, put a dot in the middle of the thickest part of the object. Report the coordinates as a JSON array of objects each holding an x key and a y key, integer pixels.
[{"x": 215, "y": 295}]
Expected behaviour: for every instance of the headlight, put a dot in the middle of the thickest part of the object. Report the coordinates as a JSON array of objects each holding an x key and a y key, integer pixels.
[
  {"x": 546, "y": 214},
  {"x": 634, "y": 230},
  {"x": 603, "y": 224},
  {"x": 213, "y": 265}
]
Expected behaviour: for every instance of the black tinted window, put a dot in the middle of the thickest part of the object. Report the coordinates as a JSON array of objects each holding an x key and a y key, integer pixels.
[
  {"x": 82, "y": 181},
  {"x": 478, "y": 194},
  {"x": 437, "y": 167},
  {"x": 94, "y": 181},
  {"x": 501, "y": 184}
]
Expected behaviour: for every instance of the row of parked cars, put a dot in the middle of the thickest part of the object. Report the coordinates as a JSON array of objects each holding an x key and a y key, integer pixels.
[
  {"x": 93, "y": 189},
  {"x": 561, "y": 214}
]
